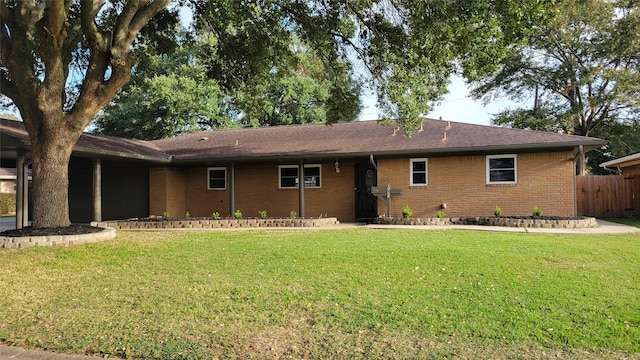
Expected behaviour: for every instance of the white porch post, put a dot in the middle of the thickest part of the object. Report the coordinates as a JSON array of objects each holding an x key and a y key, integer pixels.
[
  {"x": 301, "y": 189},
  {"x": 97, "y": 190},
  {"x": 232, "y": 189},
  {"x": 20, "y": 175}
]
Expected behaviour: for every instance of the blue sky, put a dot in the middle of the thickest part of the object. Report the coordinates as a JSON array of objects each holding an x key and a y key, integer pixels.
[{"x": 457, "y": 105}]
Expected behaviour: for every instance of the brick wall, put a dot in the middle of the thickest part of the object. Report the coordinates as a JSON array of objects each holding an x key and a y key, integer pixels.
[
  {"x": 257, "y": 189},
  {"x": 545, "y": 180},
  {"x": 167, "y": 191}
]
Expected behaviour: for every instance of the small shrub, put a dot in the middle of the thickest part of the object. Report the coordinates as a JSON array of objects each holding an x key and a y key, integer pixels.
[
  {"x": 7, "y": 204},
  {"x": 263, "y": 214},
  {"x": 537, "y": 211},
  {"x": 407, "y": 212},
  {"x": 441, "y": 214},
  {"x": 215, "y": 215},
  {"x": 165, "y": 214},
  {"x": 497, "y": 211},
  {"x": 237, "y": 214},
  {"x": 293, "y": 214},
  {"x": 187, "y": 215}
]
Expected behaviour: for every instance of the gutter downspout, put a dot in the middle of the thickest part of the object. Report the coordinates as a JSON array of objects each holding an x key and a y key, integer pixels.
[
  {"x": 373, "y": 163},
  {"x": 581, "y": 160},
  {"x": 616, "y": 170}
]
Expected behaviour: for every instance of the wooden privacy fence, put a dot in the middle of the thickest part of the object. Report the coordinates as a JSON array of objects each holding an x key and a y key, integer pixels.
[{"x": 605, "y": 196}]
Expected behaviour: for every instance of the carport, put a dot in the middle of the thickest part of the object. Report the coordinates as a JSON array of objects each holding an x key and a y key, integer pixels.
[{"x": 108, "y": 176}]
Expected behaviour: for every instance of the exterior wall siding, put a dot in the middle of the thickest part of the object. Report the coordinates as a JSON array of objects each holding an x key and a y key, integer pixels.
[
  {"x": 256, "y": 189},
  {"x": 166, "y": 191},
  {"x": 544, "y": 179},
  {"x": 631, "y": 170},
  {"x": 7, "y": 186}
]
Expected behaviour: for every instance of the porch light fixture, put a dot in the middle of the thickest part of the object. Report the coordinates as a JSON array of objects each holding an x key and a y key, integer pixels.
[{"x": 337, "y": 164}]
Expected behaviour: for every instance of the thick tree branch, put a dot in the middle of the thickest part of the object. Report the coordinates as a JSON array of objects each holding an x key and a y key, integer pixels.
[
  {"x": 110, "y": 55},
  {"x": 8, "y": 87},
  {"x": 88, "y": 13}
]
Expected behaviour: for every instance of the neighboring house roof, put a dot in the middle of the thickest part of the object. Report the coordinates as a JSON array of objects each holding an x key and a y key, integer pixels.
[
  {"x": 362, "y": 138},
  {"x": 10, "y": 173},
  {"x": 629, "y": 160},
  {"x": 92, "y": 145}
]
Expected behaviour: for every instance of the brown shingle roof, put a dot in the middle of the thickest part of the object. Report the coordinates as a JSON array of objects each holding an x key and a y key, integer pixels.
[
  {"x": 359, "y": 138},
  {"x": 362, "y": 138},
  {"x": 89, "y": 144}
]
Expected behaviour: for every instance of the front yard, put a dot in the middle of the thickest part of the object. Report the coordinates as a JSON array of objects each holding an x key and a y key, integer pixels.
[{"x": 327, "y": 294}]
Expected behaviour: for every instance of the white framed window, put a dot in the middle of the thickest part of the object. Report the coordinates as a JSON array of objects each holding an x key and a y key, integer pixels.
[
  {"x": 217, "y": 178},
  {"x": 419, "y": 172},
  {"x": 288, "y": 176},
  {"x": 502, "y": 169}
]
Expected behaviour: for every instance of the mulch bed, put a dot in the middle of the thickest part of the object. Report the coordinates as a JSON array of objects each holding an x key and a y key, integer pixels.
[{"x": 74, "y": 229}]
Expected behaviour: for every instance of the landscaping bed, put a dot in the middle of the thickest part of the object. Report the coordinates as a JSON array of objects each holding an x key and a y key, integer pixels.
[
  {"x": 509, "y": 221},
  {"x": 209, "y": 223},
  {"x": 70, "y": 235}
]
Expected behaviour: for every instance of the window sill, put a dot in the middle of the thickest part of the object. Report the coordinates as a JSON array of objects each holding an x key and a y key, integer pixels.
[{"x": 502, "y": 185}]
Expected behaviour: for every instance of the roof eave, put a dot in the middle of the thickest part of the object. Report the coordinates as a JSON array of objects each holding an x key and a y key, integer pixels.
[
  {"x": 625, "y": 161},
  {"x": 86, "y": 152},
  {"x": 587, "y": 146}
]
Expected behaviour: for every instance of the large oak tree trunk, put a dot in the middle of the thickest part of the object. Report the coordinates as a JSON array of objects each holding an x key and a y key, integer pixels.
[{"x": 51, "y": 152}]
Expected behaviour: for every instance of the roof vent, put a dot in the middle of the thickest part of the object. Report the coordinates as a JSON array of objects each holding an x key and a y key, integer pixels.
[
  {"x": 203, "y": 138},
  {"x": 444, "y": 135}
]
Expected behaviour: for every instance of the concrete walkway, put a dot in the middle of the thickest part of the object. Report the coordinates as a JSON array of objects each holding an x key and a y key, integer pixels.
[
  {"x": 16, "y": 353},
  {"x": 604, "y": 227}
]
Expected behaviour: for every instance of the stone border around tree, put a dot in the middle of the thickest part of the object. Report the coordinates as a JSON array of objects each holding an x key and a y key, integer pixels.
[
  {"x": 9, "y": 242},
  {"x": 218, "y": 223},
  {"x": 551, "y": 223}
]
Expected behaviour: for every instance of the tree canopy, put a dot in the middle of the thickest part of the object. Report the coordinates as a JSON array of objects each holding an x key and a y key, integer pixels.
[
  {"x": 173, "y": 93},
  {"x": 581, "y": 68}
]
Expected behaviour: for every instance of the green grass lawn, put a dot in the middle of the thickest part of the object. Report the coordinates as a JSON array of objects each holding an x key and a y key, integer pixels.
[
  {"x": 627, "y": 221},
  {"x": 358, "y": 293}
]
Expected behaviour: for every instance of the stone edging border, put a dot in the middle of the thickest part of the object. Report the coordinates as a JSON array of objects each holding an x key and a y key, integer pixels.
[
  {"x": 218, "y": 223},
  {"x": 587, "y": 222},
  {"x": 9, "y": 242}
]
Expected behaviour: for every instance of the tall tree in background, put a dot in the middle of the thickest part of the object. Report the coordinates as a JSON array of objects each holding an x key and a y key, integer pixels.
[
  {"x": 300, "y": 90},
  {"x": 582, "y": 69},
  {"x": 169, "y": 94},
  {"x": 39, "y": 42},
  {"x": 173, "y": 93},
  {"x": 408, "y": 49}
]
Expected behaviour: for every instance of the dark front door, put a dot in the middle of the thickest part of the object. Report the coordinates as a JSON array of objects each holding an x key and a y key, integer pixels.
[{"x": 366, "y": 204}]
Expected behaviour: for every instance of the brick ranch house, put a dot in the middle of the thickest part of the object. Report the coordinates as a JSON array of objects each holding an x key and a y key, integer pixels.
[{"x": 470, "y": 168}]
